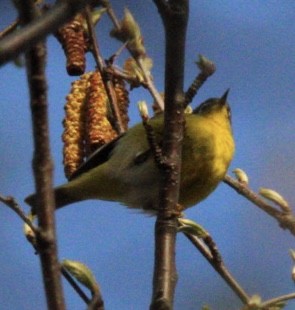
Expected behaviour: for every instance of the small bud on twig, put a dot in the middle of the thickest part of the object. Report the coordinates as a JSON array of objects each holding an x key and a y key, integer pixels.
[
  {"x": 275, "y": 197},
  {"x": 206, "y": 66},
  {"x": 143, "y": 110},
  {"x": 29, "y": 232},
  {"x": 241, "y": 176},
  {"x": 188, "y": 110}
]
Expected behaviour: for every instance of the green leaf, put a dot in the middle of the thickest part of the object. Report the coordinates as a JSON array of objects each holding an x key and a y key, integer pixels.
[
  {"x": 81, "y": 273},
  {"x": 191, "y": 227}
]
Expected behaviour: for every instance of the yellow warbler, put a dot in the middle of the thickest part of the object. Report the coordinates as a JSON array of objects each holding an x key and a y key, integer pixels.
[{"x": 125, "y": 170}]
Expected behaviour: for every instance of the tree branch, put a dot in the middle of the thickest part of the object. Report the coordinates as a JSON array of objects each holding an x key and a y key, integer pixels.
[
  {"x": 148, "y": 82},
  {"x": 74, "y": 285},
  {"x": 274, "y": 301},
  {"x": 42, "y": 164},
  {"x": 219, "y": 266},
  {"x": 285, "y": 219},
  {"x": 13, "y": 205},
  {"x": 18, "y": 42},
  {"x": 174, "y": 14},
  {"x": 9, "y": 29},
  {"x": 108, "y": 84},
  {"x": 207, "y": 68}
]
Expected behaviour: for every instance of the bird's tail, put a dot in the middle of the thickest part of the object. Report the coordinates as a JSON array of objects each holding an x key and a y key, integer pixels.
[{"x": 61, "y": 199}]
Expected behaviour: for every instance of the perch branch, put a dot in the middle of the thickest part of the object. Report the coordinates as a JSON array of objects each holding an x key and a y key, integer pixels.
[{"x": 174, "y": 18}]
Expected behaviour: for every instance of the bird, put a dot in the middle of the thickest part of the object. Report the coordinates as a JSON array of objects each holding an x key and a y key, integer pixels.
[{"x": 125, "y": 169}]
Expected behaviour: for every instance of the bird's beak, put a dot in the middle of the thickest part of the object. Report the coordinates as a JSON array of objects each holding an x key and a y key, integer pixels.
[{"x": 224, "y": 97}]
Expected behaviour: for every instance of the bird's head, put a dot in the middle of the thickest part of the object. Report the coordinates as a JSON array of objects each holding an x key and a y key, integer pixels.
[{"x": 216, "y": 108}]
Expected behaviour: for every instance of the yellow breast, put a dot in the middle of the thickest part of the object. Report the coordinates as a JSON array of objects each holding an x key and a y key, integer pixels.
[{"x": 208, "y": 149}]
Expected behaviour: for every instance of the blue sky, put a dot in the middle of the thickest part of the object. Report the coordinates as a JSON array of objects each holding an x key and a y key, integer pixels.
[{"x": 252, "y": 44}]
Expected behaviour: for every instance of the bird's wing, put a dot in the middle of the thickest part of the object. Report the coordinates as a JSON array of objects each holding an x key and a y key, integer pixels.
[{"x": 100, "y": 156}]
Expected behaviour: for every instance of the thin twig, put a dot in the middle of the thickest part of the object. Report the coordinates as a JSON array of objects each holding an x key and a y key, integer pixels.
[
  {"x": 75, "y": 286},
  {"x": 272, "y": 302},
  {"x": 219, "y": 266},
  {"x": 115, "y": 55},
  {"x": 96, "y": 302},
  {"x": 285, "y": 219},
  {"x": 112, "y": 14},
  {"x": 9, "y": 29},
  {"x": 194, "y": 87},
  {"x": 106, "y": 80},
  {"x": 154, "y": 145},
  {"x": 148, "y": 82},
  {"x": 210, "y": 243},
  {"x": 117, "y": 72},
  {"x": 207, "y": 68},
  {"x": 13, "y": 205},
  {"x": 75, "y": 273}
]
